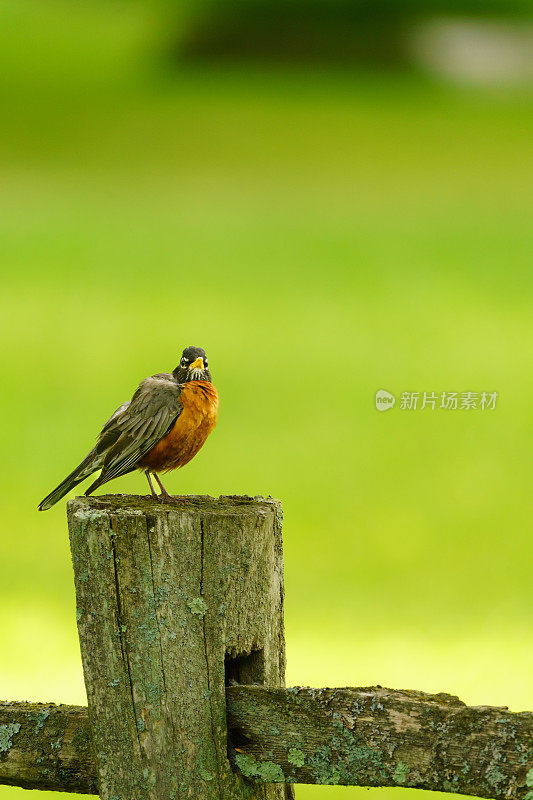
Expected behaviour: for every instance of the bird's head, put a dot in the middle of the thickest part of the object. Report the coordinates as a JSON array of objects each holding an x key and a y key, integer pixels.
[{"x": 193, "y": 366}]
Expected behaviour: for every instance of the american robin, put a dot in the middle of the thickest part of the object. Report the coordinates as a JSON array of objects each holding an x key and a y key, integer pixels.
[{"x": 161, "y": 428}]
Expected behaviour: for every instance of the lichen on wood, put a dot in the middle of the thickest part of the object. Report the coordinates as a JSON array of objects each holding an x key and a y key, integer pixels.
[
  {"x": 47, "y": 747},
  {"x": 6, "y": 734},
  {"x": 380, "y": 737}
]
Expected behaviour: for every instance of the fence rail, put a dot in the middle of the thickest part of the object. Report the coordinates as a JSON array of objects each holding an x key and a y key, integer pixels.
[
  {"x": 356, "y": 737},
  {"x": 180, "y": 620}
]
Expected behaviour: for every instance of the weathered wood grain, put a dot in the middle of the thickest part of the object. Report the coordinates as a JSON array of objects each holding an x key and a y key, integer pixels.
[
  {"x": 367, "y": 736},
  {"x": 45, "y": 746},
  {"x": 380, "y": 737},
  {"x": 172, "y": 601}
]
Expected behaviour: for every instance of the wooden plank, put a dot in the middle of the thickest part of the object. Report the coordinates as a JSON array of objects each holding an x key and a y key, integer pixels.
[{"x": 354, "y": 736}]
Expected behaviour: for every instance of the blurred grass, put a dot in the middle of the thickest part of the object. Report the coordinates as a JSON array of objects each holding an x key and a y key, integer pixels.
[{"x": 322, "y": 235}]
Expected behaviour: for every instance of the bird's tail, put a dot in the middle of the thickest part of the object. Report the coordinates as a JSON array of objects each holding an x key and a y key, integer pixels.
[
  {"x": 103, "y": 478},
  {"x": 89, "y": 465}
]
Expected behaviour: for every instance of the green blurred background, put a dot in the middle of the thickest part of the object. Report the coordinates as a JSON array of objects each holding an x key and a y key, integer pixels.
[{"x": 325, "y": 228}]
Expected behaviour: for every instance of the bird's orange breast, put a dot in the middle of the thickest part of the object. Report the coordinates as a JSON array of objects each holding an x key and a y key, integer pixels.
[{"x": 196, "y": 421}]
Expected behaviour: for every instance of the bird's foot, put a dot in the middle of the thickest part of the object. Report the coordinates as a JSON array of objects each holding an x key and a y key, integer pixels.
[{"x": 165, "y": 497}]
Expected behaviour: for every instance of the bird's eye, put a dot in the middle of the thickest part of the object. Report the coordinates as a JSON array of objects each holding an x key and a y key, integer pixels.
[{"x": 183, "y": 362}]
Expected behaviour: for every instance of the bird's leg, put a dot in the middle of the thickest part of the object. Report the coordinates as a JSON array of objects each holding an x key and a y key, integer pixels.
[
  {"x": 154, "y": 493},
  {"x": 164, "y": 494}
]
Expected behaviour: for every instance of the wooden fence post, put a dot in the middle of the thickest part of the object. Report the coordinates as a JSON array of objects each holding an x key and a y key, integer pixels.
[{"x": 174, "y": 602}]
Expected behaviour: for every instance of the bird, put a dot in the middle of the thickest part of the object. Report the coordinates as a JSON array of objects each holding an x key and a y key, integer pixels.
[{"x": 161, "y": 428}]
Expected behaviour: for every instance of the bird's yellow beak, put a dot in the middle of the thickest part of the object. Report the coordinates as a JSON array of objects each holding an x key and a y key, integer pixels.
[{"x": 198, "y": 364}]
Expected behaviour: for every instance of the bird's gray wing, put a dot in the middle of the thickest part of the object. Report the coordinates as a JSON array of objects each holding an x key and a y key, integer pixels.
[
  {"x": 112, "y": 430},
  {"x": 137, "y": 426}
]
